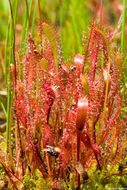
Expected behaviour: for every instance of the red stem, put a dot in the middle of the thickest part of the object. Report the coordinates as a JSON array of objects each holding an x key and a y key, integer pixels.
[
  {"x": 9, "y": 175},
  {"x": 96, "y": 156},
  {"x": 78, "y": 152},
  {"x": 39, "y": 10},
  {"x": 21, "y": 149},
  {"x": 115, "y": 174}
]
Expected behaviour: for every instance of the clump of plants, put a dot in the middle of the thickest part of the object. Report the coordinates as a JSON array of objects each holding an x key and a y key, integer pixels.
[{"x": 68, "y": 130}]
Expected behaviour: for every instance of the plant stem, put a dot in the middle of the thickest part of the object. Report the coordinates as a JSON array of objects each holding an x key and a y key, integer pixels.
[
  {"x": 13, "y": 28},
  {"x": 27, "y": 9},
  {"x": 25, "y": 23},
  {"x": 39, "y": 7},
  {"x": 34, "y": 17},
  {"x": 78, "y": 151},
  {"x": 115, "y": 174},
  {"x": 21, "y": 147},
  {"x": 10, "y": 147},
  {"x": 97, "y": 160},
  {"x": 5, "y": 54},
  {"x": 123, "y": 26},
  {"x": 3, "y": 108},
  {"x": 11, "y": 60}
]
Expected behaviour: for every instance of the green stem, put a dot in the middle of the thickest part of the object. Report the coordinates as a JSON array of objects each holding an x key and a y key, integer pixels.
[
  {"x": 27, "y": 12},
  {"x": 10, "y": 117},
  {"x": 13, "y": 34},
  {"x": 5, "y": 54},
  {"x": 12, "y": 60},
  {"x": 3, "y": 108},
  {"x": 123, "y": 26},
  {"x": 34, "y": 17}
]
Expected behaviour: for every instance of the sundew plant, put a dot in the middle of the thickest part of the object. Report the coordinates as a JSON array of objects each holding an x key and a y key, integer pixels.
[{"x": 66, "y": 125}]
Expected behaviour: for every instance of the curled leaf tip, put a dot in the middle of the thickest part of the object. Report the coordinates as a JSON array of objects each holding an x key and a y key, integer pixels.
[
  {"x": 78, "y": 62},
  {"x": 81, "y": 113}
]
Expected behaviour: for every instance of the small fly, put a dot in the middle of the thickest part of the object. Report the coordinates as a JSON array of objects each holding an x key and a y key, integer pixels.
[
  {"x": 73, "y": 68},
  {"x": 53, "y": 151}
]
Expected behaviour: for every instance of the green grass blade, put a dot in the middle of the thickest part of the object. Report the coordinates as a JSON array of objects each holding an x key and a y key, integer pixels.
[
  {"x": 3, "y": 108},
  {"x": 15, "y": 12},
  {"x": 8, "y": 109},
  {"x": 26, "y": 23},
  {"x": 30, "y": 7},
  {"x": 75, "y": 25},
  {"x": 5, "y": 53},
  {"x": 11, "y": 61},
  {"x": 25, "y": 26},
  {"x": 123, "y": 26},
  {"x": 34, "y": 17}
]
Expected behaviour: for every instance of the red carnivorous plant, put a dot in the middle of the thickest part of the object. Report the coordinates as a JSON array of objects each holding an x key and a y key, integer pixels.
[{"x": 64, "y": 114}]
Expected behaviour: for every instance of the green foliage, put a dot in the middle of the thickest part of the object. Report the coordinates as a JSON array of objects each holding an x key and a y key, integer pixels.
[
  {"x": 4, "y": 12},
  {"x": 72, "y": 17},
  {"x": 41, "y": 183},
  {"x": 36, "y": 182},
  {"x": 98, "y": 181},
  {"x": 26, "y": 23},
  {"x": 34, "y": 17},
  {"x": 1, "y": 172},
  {"x": 70, "y": 185},
  {"x": 28, "y": 183}
]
